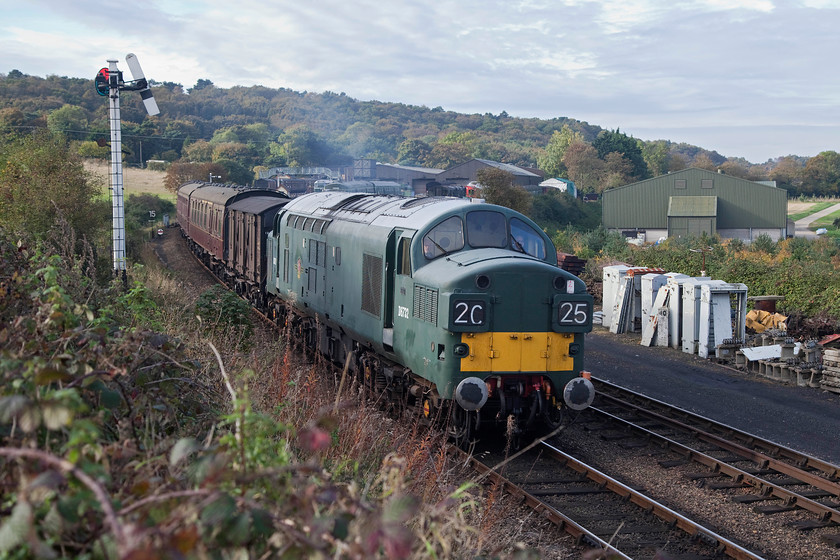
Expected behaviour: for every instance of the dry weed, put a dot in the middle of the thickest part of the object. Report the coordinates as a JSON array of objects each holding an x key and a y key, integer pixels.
[{"x": 395, "y": 461}]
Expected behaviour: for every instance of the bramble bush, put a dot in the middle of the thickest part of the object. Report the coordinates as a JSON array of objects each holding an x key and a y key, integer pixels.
[
  {"x": 806, "y": 272},
  {"x": 117, "y": 441},
  {"x": 121, "y": 436}
]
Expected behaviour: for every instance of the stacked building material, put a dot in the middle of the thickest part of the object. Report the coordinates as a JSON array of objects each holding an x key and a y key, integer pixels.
[
  {"x": 571, "y": 263},
  {"x": 831, "y": 370}
]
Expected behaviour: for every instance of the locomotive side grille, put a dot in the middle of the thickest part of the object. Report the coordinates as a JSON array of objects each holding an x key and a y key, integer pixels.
[
  {"x": 372, "y": 284},
  {"x": 425, "y": 304}
]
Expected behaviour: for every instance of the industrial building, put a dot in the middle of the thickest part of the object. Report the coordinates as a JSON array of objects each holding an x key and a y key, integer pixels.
[
  {"x": 695, "y": 201},
  {"x": 468, "y": 171}
]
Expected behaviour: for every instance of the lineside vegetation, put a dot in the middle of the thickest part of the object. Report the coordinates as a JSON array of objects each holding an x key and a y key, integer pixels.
[{"x": 143, "y": 423}]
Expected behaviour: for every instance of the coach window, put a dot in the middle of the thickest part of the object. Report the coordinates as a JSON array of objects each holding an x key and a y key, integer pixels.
[
  {"x": 525, "y": 239},
  {"x": 486, "y": 229},
  {"x": 444, "y": 238}
]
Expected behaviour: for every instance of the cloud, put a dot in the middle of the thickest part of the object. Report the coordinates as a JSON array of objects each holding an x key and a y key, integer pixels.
[{"x": 652, "y": 64}]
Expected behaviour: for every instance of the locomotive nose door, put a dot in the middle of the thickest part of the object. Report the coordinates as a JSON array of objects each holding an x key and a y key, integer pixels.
[{"x": 397, "y": 284}]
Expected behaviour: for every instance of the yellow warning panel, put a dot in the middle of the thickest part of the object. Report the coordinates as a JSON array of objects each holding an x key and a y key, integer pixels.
[{"x": 537, "y": 352}]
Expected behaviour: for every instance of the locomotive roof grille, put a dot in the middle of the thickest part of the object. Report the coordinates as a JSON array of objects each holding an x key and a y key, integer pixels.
[
  {"x": 347, "y": 201},
  {"x": 421, "y": 201},
  {"x": 367, "y": 205}
]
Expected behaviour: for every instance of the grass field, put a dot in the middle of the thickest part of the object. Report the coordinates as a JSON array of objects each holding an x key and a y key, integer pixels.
[
  {"x": 135, "y": 181},
  {"x": 798, "y": 210}
]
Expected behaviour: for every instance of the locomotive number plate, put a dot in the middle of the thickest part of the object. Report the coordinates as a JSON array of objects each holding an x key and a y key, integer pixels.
[
  {"x": 469, "y": 314},
  {"x": 572, "y": 313}
]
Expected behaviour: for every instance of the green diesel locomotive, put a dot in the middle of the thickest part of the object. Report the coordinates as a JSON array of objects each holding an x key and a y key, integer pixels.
[{"x": 455, "y": 307}]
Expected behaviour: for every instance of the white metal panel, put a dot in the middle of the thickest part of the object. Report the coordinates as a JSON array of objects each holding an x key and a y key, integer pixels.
[
  {"x": 649, "y": 289},
  {"x": 715, "y": 322},
  {"x": 753, "y": 353},
  {"x": 612, "y": 277},
  {"x": 691, "y": 312},
  {"x": 658, "y": 322},
  {"x": 622, "y": 310},
  {"x": 674, "y": 286},
  {"x": 722, "y": 315},
  {"x": 662, "y": 333}
]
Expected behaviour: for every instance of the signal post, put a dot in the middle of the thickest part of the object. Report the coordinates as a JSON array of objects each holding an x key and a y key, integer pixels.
[{"x": 109, "y": 81}]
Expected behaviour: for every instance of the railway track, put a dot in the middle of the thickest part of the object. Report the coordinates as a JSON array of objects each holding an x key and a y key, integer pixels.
[
  {"x": 779, "y": 479},
  {"x": 600, "y": 511}
]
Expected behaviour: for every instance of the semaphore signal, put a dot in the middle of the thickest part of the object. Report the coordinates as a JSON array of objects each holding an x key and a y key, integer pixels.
[{"x": 109, "y": 81}]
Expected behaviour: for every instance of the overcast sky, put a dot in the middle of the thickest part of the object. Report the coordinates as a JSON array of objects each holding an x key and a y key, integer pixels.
[{"x": 756, "y": 79}]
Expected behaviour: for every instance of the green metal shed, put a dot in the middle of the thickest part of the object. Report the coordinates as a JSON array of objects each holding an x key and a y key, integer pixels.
[{"x": 693, "y": 201}]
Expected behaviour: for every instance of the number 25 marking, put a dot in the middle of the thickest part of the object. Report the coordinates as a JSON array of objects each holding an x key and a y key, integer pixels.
[{"x": 573, "y": 313}]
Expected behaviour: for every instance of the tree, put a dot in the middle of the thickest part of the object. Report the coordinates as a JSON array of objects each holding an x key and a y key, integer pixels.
[
  {"x": 555, "y": 211},
  {"x": 676, "y": 162},
  {"x": 257, "y": 133},
  {"x": 447, "y": 154},
  {"x": 303, "y": 147},
  {"x": 198, "y": 151},
  {"x": 703, "y": 161},
  {"x": 609, "y": 141},
  {"x": 585, "y": 168},
  {"x": 821, "y": 175},
  {"x": 617, "y": 171},
  {"x": 91, "y": 149},
  {"x": 235, "y": 172},
  {"x": 11, "y": 118},
  {"x": 355, "y": 137},
  {"x": 788, "y": 174},
  {"x": 738, "y": 169},
  {"x": 41, "y": 178},
  {"x": 69, "y": 118},
  {"x": 552, "y": 160},
  {"x": 656, "y": 157},
  {"x": 413, "y": 152},
  {"x": 500, "y": 189},
  {"x": 201, "y": 84},
  {"x": 184, "y": 172},
  {"x": 235, "y": 151}
]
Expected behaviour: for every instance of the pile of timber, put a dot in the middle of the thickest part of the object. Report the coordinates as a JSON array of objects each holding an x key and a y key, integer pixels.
[
  {"x": 570, "y": 263},
  {"x": 831, "y": 370}
]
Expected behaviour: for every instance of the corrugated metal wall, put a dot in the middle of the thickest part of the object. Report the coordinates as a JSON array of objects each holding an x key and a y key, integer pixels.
[{"x": 741, "y": 203}]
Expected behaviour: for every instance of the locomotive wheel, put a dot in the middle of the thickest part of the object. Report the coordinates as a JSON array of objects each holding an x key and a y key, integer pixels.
[{"x": 462, "y": 425}]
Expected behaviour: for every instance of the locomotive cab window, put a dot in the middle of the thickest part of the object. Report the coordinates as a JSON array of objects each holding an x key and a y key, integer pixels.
[
  {"x": 403, "y": 257},
  {"x": 525, "y": 239},
  {"x": 446, "y": 237},
  {"x": 487, "y": 229}
]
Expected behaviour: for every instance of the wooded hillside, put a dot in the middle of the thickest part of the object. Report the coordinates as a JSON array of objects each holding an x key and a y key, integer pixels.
[{"x": 243, "y": 128}]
